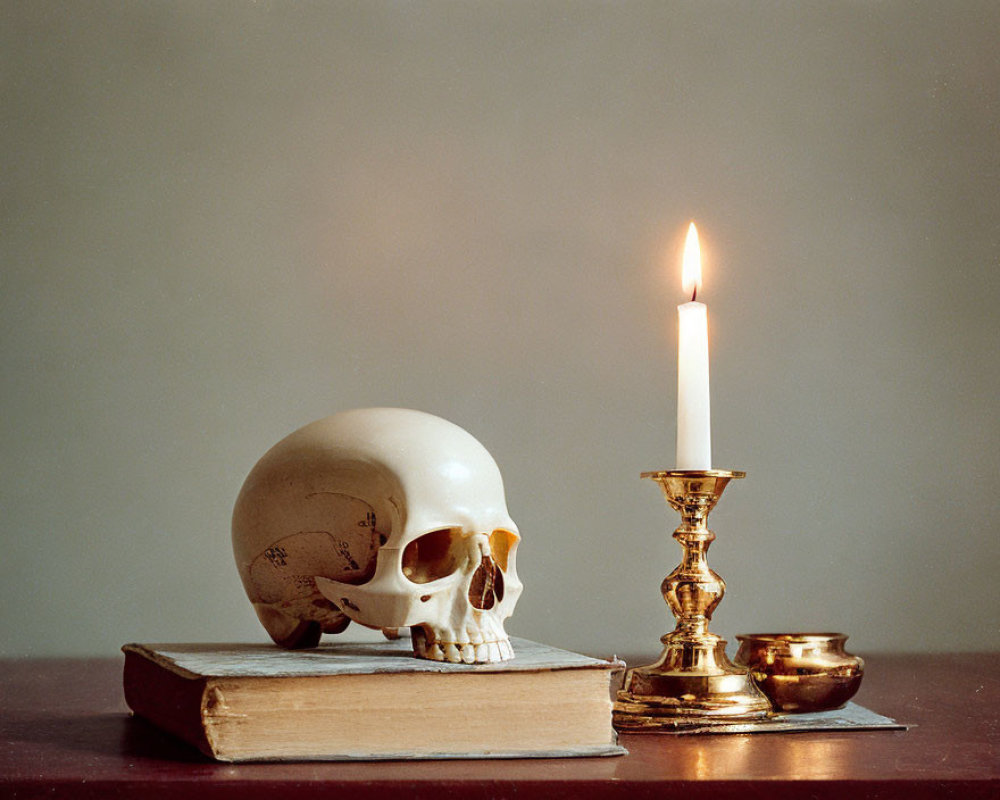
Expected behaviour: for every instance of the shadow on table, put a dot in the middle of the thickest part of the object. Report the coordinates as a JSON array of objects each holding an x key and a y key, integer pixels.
[{"x": 107, "y": 734}]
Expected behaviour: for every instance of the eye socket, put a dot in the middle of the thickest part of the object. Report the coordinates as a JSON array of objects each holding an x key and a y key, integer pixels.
[
  {"x": 431, "y": 556},
  {"x": 502, "y": 544}
]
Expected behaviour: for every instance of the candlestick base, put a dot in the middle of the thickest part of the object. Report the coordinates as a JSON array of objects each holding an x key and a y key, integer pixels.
[{"x": 693, "y": 683}]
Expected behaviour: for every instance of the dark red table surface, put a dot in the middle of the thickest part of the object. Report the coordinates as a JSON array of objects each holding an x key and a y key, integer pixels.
[{"x": 66, "y": 732}]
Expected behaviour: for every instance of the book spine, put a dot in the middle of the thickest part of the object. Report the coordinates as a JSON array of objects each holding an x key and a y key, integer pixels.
[{"x": 171, "y": 701}]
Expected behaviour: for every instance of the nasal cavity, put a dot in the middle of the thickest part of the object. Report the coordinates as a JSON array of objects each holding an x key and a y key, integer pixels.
[{"x": 481, "y": 590}]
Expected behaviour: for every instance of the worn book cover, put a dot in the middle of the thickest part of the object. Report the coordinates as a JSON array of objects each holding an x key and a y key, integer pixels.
[{"x": 243, "y": 702}]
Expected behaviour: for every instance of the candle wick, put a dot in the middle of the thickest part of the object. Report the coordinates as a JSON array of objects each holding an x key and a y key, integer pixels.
[{"x": 694, "y": 294}]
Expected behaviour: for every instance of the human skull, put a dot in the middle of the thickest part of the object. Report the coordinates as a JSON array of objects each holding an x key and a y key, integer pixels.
[{"x": 389, "y": 517}]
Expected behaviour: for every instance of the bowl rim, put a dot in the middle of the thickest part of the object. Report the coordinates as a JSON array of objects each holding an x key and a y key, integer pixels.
[{"x": 792, "y": 638}]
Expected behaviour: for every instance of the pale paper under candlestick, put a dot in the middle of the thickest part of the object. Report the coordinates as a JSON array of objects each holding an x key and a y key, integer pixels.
[{"x": 694, "y": 427}]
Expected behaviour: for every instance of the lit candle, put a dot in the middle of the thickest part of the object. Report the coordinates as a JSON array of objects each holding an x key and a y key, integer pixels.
[{"x": 694, "y": 425}]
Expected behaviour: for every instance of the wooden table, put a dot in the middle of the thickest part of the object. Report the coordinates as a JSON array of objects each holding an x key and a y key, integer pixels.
[{"x": 65, "y": 732}]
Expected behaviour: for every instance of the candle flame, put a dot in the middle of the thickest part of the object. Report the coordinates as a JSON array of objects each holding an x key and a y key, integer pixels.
[{"x": 691, "y": 273}]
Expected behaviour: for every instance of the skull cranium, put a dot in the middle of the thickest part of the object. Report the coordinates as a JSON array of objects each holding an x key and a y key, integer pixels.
[{"x": 389, "y": 517}]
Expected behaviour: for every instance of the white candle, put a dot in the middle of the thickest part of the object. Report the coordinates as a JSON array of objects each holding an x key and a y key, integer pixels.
[{"x": 694, "y": 425}]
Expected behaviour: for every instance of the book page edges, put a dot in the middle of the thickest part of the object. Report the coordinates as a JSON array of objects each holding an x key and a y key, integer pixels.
[{"x": 416, "y": 715}]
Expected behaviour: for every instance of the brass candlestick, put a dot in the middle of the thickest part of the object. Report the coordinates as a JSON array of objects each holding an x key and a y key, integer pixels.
[{"x": 693, "y": 683}]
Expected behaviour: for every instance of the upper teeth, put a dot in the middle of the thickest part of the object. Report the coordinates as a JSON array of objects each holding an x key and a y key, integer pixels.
[{"x": 469, "y": 652}]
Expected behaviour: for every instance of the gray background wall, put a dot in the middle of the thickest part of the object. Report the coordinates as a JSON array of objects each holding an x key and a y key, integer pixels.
[{"x": 223, "y": 220}]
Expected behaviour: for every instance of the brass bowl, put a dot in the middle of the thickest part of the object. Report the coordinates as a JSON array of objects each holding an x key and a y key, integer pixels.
[{"x": 801, "y": 672}]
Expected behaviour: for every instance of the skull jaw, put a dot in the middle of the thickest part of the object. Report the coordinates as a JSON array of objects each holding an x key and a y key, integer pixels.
[{"x": 459, "y": 634}]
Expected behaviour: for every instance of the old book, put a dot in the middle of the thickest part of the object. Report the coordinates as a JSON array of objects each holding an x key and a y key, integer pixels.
[{"x": 247, "y": 702}]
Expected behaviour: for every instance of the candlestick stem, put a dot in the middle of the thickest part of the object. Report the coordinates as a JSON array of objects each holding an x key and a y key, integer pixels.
[{"x": 693, "y": 682}]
